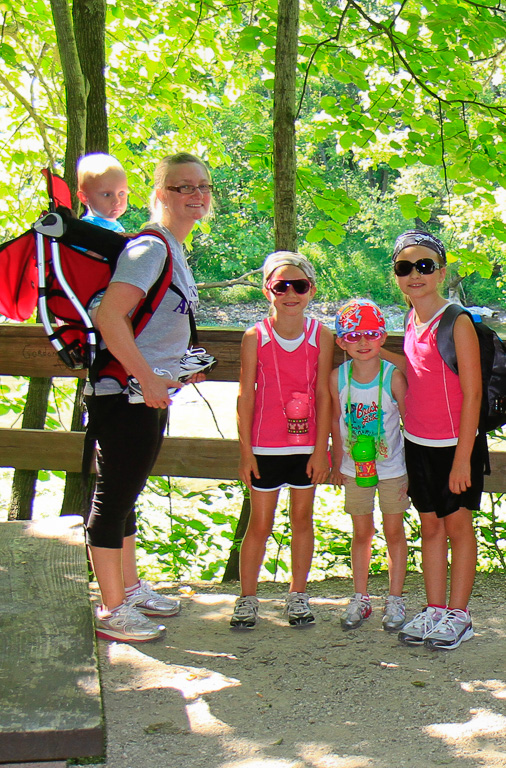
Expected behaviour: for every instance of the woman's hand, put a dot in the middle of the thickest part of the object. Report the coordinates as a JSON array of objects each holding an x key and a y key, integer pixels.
[{"x": 155, "y": 390}]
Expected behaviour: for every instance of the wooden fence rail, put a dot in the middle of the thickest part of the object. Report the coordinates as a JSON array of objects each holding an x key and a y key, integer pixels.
[{"x": 26, "y": 351}]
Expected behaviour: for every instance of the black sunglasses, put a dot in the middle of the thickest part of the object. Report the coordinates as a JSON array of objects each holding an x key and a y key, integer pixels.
[
  {"x": 279, "y": 287},
  {"x": 422, "y": 266}
]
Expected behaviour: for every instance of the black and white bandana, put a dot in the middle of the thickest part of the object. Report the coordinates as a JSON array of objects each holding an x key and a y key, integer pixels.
[{"x": 417, "y": 237}]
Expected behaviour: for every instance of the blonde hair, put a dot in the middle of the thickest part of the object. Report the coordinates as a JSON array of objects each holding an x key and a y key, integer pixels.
[
  {"x": 161, "y": 173},
  {"x": 96, "y": 164}
]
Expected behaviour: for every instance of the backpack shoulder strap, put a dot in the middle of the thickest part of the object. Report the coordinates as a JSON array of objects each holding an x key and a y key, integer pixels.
[
  {"x": 148, "y": 305},
  {"x": 444, "y": 337}
]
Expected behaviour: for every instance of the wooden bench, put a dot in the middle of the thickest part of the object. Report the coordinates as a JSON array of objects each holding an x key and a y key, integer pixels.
[
  {"x": 49, "y": 683},
  {"x": 26, "y": 351}
]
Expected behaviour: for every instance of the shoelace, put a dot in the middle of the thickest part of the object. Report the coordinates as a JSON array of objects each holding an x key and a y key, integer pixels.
[
  {"x": 245, "y": 607},
  {"x": 446, "y": 621}
]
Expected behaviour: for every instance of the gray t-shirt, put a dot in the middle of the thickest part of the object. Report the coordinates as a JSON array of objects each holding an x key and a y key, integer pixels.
[{"x": 165, "y": 338}]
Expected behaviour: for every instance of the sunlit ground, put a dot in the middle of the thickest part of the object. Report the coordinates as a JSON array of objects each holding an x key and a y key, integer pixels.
[{"x": 276, "y": 697}]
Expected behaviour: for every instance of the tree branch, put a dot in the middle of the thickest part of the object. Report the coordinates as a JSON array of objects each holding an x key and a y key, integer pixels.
[
  {"x": 33, "y": 114},
  {"x": 334, "y": 38},
  {"x": 391, "y": 36},
  {"x": 235, "y": 281}
]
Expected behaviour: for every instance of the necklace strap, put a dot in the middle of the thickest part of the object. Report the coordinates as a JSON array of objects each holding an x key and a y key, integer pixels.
[
  {"x": 380, "y": 395},
  {"x": 270, "y": 331}
]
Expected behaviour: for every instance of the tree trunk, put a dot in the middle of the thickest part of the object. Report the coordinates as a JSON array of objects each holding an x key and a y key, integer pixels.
[
  {"x": 81, "y": 41},
  {"x": 89, "y": 29},
  {"x": 74, "y": 496},
  {"x": 75, "y": 91},
  {"x": 232, "y": 567},
  {"x": 285, "y": 162},
  {"x": 25, "y": 480}
]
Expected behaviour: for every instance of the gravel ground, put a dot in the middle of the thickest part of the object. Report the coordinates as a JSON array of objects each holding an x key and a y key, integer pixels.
[{"x": 205, "y": 696}]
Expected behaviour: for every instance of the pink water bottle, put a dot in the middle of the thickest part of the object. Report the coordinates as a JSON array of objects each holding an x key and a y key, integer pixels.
[{"x": 297, "y": 414}]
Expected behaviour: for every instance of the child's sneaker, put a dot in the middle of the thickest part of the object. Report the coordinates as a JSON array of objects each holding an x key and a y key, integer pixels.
[
  {"x": 357, "y": 610},
  {"x": 454, "y": 628},
  {"x": 152, "y": 603},
  {"x": 196, "y": 361},
  {"x": 126, "y": 624},
  {"x": 414, "y": 632},
  {"x": 394, "y": 614},
  {"x": 297, "y": 609},
  {"x": 245, "y": 613},
  {"x": 134, "y": 391}
]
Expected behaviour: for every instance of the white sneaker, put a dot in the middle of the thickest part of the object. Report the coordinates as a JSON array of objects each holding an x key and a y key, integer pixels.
[
  {"x": 394, "y": 614},
  {"x": 358, "y": 609},
  {"x": 454, "y": 628},
  {"x": 152, "y": 603},
  {"x": 414, "y": 632},
  {"x": 245, "y": 613},
  {"x": 196, "y": 360},
  {"x": 126, "y": 625},
  {"x": 297, "y": 609}
]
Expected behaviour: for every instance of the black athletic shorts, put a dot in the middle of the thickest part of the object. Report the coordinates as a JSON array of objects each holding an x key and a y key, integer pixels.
[
  {"x": 429, "y": 469},
  {"x": 281, "y": 470}
]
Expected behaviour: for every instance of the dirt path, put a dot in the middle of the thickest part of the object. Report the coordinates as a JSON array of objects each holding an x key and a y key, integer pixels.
[{"x": 277, "y": 697}]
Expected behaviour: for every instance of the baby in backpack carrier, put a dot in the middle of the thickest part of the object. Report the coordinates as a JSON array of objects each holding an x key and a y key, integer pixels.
[{"x": 102, "y": 187}]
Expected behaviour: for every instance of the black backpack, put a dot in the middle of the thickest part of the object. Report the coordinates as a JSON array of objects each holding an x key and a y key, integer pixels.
[{"x": 493, "y": 365}]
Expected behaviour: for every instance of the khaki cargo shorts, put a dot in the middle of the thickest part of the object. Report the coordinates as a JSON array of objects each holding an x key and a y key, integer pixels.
[{"x": 393, "y": 496}]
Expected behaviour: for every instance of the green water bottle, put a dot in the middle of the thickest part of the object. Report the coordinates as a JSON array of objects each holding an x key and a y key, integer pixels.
[{"x": 363, "y": 453}]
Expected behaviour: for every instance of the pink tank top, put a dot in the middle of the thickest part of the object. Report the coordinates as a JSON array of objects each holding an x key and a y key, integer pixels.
[
  {"x": 297, "y": 373},
  {"x": 434, "y": 396}
]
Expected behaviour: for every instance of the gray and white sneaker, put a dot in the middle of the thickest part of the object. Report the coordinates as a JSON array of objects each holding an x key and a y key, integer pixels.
[
  {"x": 358, "y": 609},
  {"x": 454, "y": 628},
  {"x": 414, "y": 632},
  {"x": 245, "y": 613},
  {"x": 135, "y": 390},
  {"x": 152, "y": 603},
  {"x": 196, "y": 360},
  {"x": 126, "y": 624},
  {"x": 394, "y": 614},
  {"x": 297, "y": 609}
]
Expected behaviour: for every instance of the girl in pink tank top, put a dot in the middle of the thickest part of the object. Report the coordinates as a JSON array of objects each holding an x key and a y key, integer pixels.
[
  {"x": 444, "y": 453},
  {"x": 283, "y": 413}
]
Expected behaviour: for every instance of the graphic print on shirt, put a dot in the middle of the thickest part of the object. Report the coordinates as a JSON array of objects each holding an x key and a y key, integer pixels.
[{"x": 364, "y": 421}]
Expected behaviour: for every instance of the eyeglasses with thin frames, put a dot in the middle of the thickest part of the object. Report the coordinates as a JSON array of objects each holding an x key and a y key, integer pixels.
[
  {"x": 189, "y": 189},
  {"x": 403, "y": 268}
]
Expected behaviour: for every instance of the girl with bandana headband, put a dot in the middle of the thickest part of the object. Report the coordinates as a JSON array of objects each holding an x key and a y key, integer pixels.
[
  {"x": 283, "y": 413},
  {"x": 444, "y": 454}
]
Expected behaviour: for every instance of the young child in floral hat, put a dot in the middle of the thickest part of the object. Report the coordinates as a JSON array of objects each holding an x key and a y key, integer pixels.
[{"x": 368, "y": 398}]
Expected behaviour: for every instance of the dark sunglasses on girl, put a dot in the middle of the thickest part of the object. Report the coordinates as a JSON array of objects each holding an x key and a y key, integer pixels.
[
  {"x": 422, "y": 266},
  {"x": 353, "y": 336},
  {"x": 279, "y": 287}
]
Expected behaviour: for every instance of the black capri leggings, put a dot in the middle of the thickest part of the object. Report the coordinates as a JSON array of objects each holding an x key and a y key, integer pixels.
[{"x": 129, "y": 438}]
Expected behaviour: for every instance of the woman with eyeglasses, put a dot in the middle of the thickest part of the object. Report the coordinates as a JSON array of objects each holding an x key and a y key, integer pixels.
[
  {"x": 445, "y": 456},
  {"x": 129, "y": 423},
  {"x": 283, "y": 413}
]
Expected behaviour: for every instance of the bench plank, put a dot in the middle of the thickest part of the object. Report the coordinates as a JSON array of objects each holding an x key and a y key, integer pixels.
[
  {"x": 51, "y": 705},
  {"x": 25, "y": 350},
  {"x": 179, "y": 456}
]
